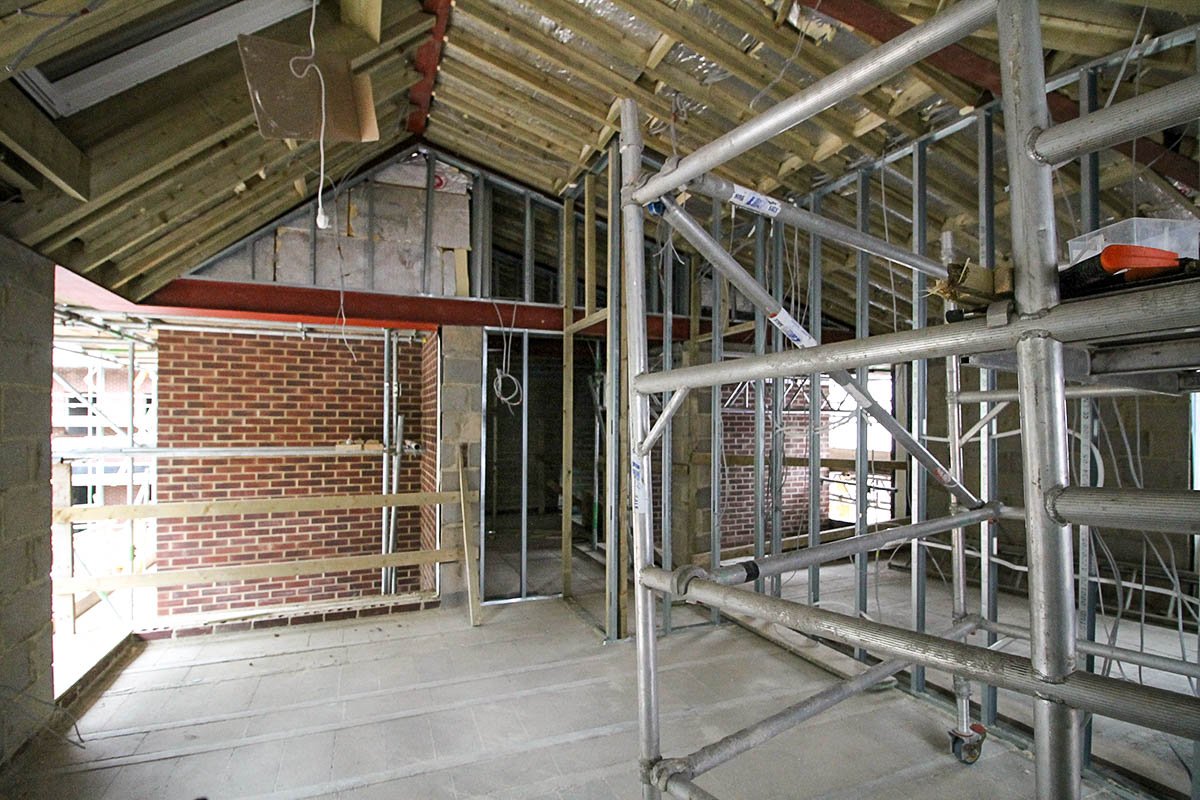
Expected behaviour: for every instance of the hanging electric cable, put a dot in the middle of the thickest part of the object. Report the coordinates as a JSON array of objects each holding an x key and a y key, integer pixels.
[
  {"x": 311, "y": 66},
  {"x": 505, "y": 385}
]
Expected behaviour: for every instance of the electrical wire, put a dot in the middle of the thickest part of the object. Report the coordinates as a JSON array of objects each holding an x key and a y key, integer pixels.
[
  {"x": 1137, "y": 34},
  {"x": 505, "y": 386},
  {"x": 64, "y": 21},
  {"x": 801, "y": 34},
  {"x": 311, "y": 66}
]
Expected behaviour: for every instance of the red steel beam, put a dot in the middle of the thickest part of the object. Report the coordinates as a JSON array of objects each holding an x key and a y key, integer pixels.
[
  {"x": 195, "y": 297},
  {"x": 883, "y": 25}
]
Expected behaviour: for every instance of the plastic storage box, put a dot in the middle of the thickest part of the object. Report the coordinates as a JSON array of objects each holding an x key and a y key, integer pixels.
[{"x": 1177, "y": 235}]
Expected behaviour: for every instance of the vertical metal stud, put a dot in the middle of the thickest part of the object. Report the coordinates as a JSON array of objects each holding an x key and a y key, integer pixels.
[
  {"x": 484, "y": 471},
  {"x": 525, "y": 464},
  {"x": 760, "y": 387},
  {"x": 371, "y": 232},
  {"x": 527, "y": 259},
  {"x": 478, "y": 234},
  {"x": 668, "y": 362},
  {"x": 988, "y": 478},
  {"x": 862, "y": 330},
  {"x": 918, "y": 401},
  {"x": 814, "y": 408},
  {"x": 430, "y": 251},
  {"x": 716, "y": 438},
  {"x": 614, "y": 552},
  {"x": 777, "y": 386}
]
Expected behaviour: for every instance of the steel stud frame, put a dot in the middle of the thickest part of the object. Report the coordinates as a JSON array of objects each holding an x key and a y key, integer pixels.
[{"x": 1037, "y": 332}]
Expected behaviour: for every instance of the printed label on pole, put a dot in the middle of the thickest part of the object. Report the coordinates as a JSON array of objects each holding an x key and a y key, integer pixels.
[
  {"x": 641, "y": 492},
  {"x": 792, "y": 329},
  {"x": 759, "y": 203}
]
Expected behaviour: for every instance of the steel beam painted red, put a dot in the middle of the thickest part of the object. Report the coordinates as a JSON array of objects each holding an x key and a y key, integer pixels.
[
  {"x": 427, "y": 61},
  {"x": 883, "y": 25},
  {"x": 193, "y": 297}
]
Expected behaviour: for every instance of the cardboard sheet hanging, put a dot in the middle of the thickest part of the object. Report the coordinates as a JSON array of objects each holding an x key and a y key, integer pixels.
[{"x": 287, "y": 107}]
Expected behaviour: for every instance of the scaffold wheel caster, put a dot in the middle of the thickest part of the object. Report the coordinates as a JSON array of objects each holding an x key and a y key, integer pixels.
[{"x": 968, "y": 746}]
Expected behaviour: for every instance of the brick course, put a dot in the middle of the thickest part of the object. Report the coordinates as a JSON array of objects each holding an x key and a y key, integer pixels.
[
  {"x": 220, "y": 389},
  {"x": 737, "y": 491}
]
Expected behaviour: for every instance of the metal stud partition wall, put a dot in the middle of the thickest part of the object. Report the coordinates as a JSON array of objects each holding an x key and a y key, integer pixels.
[{"x": 1036, "y": 331}]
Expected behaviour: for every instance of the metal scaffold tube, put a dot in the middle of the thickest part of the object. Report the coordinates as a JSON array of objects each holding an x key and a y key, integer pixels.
[
  {"x": 958, "y": 553},
  {"x": 1134, "y": 509},
  {"x": 1163, "y": 308},
  {"x": 1150, "y": 707},
  {"x": 1072, "y": 393},
  {"x": 856, "y": 77},
  {"x": 633, "y": 237},
  {"x": 1175, "y": 104},
  {"x": 1057, "y": 740},
  {"x": 753, "y": 569},
  {"x": 717, "y": 753},
  {"x": 724, "y": 263},
  {"x": 1172, "y": 665},
  {"x": 721, "y": 189}
]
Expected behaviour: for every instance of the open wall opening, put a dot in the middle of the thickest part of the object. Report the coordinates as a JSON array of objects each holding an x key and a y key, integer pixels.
[{"x": 522, "y": 503}]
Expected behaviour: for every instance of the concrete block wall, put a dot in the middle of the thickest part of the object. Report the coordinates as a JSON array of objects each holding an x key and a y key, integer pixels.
[
  {"x": 383, "y": 253},
  {"x": 461, "y": 423},
  {"x": 1158, "y": 427},
  {"x": 26, "y": 317},
  {"x": 259, "y": 390}
]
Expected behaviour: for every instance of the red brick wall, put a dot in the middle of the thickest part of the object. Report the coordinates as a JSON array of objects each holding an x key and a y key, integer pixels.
[
  {"x": 238, "y": 389},
  {"x": 737, "y": 491},
  {"x": 430, "y": 355}
]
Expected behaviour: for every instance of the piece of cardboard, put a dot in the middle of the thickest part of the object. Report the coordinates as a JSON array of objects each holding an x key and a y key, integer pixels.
[{"x": 287, "y": 107}]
